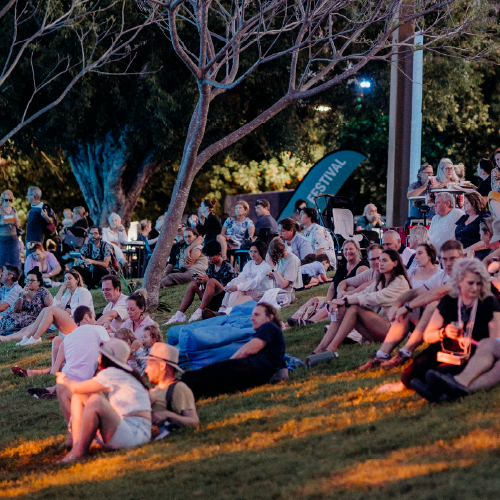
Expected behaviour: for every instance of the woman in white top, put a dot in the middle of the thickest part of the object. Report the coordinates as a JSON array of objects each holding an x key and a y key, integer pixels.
[
  {"x": 124, "y": 419},
  {"x": 253, "y": 281},
  {"x": 425, "y": 257},
  {"x": 71, "y": 294},
  {"x": 366, "y": 311},
  {"x": 116, "y": 235}
]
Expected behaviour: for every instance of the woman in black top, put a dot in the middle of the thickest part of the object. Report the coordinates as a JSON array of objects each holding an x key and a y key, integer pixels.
[
  {"x": 467, "y": 230},
  {"x": 210, "y": 225},
  {"x": 252, "y": 364},
  {"x": 471, "y": 302}
]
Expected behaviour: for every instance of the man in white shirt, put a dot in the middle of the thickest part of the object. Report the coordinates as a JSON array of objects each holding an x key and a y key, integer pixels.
[
  {"x": 11, "y": 289},
  {"x": 443, "y": 224},
  {"x": 405, "y": 309},
  {"x": 80, "y": 349},
  {"x": 392, "y": 241},
  {"x": 115, "y": 313}
]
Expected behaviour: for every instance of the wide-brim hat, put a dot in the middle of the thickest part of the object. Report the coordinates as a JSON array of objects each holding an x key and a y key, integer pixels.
[
  {"x": 117, "y": 351},
  {"x": 496, "y": 231},
  {"x": 165, "y": 352}
]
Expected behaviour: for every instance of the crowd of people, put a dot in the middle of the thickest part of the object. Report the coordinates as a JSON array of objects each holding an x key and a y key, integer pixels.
[{"x": 438, "y": 293}]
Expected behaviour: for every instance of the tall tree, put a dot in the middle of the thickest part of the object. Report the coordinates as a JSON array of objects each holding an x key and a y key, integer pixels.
[{"x": 323, "y": 42}]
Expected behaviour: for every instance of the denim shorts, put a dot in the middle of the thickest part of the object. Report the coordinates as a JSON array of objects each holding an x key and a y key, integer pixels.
[{"x": 132, "y": 431}]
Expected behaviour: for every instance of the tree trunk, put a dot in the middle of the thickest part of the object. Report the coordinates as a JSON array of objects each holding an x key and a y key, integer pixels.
[{"x": 99, "y": 168}]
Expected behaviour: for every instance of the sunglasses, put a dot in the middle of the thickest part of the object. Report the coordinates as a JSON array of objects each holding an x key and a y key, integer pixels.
[{"x": 7, "y": 199}]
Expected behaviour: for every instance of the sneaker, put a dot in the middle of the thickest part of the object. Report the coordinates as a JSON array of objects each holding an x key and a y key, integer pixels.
[
  {"x": 427, "y": 392},
  {"x": 23, "y": 341},
  {"x": 446, "y": 383},
  {"x": 399, "y": 360},
  {"x": 33, "y": 341},
  {"x": 178, "y": 317},
  {"x": 373, "y": 362},
  {"x": 196, "y": 316},
  {"x": 292, "y": 322}
]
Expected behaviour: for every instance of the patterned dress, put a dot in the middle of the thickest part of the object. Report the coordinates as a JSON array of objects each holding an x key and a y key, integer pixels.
[
  {"x": 237, "y": 231},
  {"x": 319, "y": 237},
  {"x": 29, "y": 312}
]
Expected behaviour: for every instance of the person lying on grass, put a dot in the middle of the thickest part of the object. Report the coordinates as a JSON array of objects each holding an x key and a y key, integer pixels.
[
  {"x": 313, "y": 269},
  {"x": 407, "y": 310},
  {"x": 172, "y": 401},
  {"x": 251, "y": 365},
  {"x": 124, "y": 419},
  {"x": 367, "y": 311},
  {"x": 71, "y": 295}
]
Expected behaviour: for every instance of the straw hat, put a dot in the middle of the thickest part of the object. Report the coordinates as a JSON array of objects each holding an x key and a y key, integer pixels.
[
  {"x": 496, "y": 231},
  {"x": 117, "y": 351},
  {"x": 165, "y": 352}
]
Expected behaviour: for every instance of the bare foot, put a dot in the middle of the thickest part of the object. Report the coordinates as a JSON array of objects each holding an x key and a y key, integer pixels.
[
  {"x": 390, "y": 388},
  {"x": 67, "y": 443},
  {"x": 70, "y": 457}
]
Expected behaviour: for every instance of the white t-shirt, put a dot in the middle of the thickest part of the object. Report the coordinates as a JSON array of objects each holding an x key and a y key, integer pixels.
[
  {"x": 125, "y": 393},
  {"x": 81, "y": 297},
  {"x": 289, "y": 268},
  {"x": 443, "y": 228},
  {"x": 120, "y": 307},
  {"x": 81, "y": 351},
  {"x": 313, "y": 269},
  {"x": 440, "y": 278}
]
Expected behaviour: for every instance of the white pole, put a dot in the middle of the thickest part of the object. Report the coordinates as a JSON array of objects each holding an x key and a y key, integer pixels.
[{"x": 416, "y": 111}]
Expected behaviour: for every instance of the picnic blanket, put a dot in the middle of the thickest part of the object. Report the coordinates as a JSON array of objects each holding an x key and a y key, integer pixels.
[{"x": 214, "y": 339}]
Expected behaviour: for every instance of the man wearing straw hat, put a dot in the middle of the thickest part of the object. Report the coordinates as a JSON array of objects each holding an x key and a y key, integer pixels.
[{"x": 171, "y": 400}]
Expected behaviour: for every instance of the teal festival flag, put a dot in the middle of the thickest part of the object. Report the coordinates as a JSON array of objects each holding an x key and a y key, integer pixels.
[{"x": 325, "y": 177}]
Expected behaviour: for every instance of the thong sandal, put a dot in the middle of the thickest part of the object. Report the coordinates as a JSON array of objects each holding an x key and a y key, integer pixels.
[{"x": 20, "y": 372}]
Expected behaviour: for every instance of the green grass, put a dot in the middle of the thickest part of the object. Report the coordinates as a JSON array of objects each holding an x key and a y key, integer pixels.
[{"x": 323, "y": 433}]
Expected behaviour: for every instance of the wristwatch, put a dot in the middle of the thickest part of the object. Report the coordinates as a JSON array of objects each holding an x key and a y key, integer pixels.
[
  {"x": 407, "y": 305},
  {"x": 346, "y": 302},
  {"x": 273, "y": 270}
]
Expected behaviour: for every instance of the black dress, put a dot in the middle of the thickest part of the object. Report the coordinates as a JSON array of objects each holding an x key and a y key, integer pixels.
[
  {"x": 470, "y": 234},
  {"x": 211, "y": 228}
]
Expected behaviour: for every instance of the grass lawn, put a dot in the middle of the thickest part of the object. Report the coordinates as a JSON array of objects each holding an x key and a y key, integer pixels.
[{"x": 324, "y": 433}]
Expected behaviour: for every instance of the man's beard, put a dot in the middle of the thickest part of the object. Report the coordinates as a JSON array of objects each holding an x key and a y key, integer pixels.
[{"x": 371, "y": 218}]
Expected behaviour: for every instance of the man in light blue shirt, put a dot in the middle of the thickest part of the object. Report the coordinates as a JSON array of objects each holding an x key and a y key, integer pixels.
[
  {"x": 11, "y": 289},
  {"x": 294, "y": 242}
]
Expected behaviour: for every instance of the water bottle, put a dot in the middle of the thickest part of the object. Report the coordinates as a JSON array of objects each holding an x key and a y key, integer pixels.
[{"x": 322, "y": 357}]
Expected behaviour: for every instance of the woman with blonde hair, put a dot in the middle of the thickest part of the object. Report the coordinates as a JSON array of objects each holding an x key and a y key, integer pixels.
[
  {"x": 116, "y": 235},
  {"x": 468, "y": 311},
  {"x": 419, "y": 235},
  {"x": 445, "y": 173},
  {"x": 235, "y": 229},
  {"x": 9, "y": 224}
]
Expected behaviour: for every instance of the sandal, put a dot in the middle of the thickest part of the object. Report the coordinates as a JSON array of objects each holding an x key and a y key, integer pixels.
[{"x": 20, "y": 372}]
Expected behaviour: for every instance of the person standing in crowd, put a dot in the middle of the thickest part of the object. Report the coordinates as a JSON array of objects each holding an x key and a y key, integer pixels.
[
  {"x": 294, "y": 241},
  {"x": 42, "y": 221},
  {"x": 144, "y": 231},
  {"x": 467, "y": 229},
  {"x": 155, "y": 232},
  {"x": 115, "y": 312},
  {"x": 124, "y": 419},
  {"x": 9, "y": 224},
  {"x": 392, "y": 241},
  {"x": 236, "y": 229},
  {"x": 209, "y": 287},
  {"x": 420, "y": 188},
  {"x": 484, "y": 168},
  {"x": 11, "y": 289},
  {"x": 251, "y": 365},
  {"x": 209, "y": 225},
  {"x": 367, "y": 311},
  {"x": 445, "y": 174},
  {"x": 44, "y": 261},
  {"x": 95, "y": 258},
  {"x": 494, "y": 194},
  {"x": 443, "y": 224},
  {"x": 370, "y": 219},
  {"x": 189, "y": 264},
  {"x": 172, "y": 401},
  {"x": 265, "y": 221},
  {"x": 299, "y": 205},
  {"x": 318, "y": 236}
]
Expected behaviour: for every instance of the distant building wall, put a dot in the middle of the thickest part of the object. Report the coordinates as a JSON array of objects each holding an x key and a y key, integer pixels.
[{"x": 277, "y": 199}]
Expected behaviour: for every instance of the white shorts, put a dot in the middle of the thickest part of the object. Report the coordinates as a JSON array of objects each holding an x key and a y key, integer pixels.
[{"x": 132, "y": 431}]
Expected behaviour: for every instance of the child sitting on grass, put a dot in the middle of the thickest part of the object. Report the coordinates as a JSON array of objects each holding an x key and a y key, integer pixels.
[{"x": 314, "y": 268}]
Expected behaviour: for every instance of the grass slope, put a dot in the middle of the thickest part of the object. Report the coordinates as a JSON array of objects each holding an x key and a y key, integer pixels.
[{"x": 323, "y": 433}]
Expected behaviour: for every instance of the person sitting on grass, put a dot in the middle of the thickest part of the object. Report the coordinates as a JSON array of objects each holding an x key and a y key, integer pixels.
[
  {"x": 44, "y": 261},
  {"x": 294, "y": 241},
  {"x": 313, "y": 269},
  {"x": 316, "y": 309},
  {"x": 189, "y": 262},
  {"x": 27, "y": 307},
  {"x": 11, "y": 288},
  {"x": 425, "y": 257},
  {"x": 367, "y": 311},
  {"x": 468, "y": 311},
  {"x": 141, "y": 348},
  {"x": 209, "y": 287},
  {"x": 124, "y": 419},
  {"x": 252, "y": 282},
  {"x": 115, "y": 312},
  {"x": 318, "y": 236},
  {"x": 172, "y": 401},
  {"x": 251, "y": 365},
  {"x": 406, "y": 310},
  {"x": 71, "y": 295}
]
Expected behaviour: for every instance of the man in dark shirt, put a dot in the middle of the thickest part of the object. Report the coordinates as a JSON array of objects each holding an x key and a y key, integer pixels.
[
  {"x": 264, "y": 220},
  {"x": 41, "y": 218},
  {"x": 208, "y": 287},
  {"x": 484, "y": 168},
  {"x": 420, "y": 188}
]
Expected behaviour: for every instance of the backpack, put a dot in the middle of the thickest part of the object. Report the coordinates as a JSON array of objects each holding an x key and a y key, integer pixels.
[
  {"x": 50, "y": 230},
  {"x": 114, "y": 265}
]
